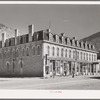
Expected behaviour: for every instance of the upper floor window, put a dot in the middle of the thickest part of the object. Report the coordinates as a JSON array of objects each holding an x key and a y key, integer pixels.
[
  {"x": 87, "y": 56},
  {"x": 62, "y": 52},
  {"x": 33, "y": 49},
  {"x": 23, "y": 52},
  {"x": 53, "y": 51},
  {"x": 27, "y": 51},
  {"x": 17, "y": 53},
  {"x": 0, "y": 55},
  {"x": 77, "y": 54},
  {"x": 8, "y": 54},
  {"x": 73, "y": 54},
  {"x": 95, "y": 57},
  {"x": 4, "y": 54},
  {"x": 38, "y": 50},
  {"x": 66, "y": 53},
  {"x": 92, "y": 57},
  {"x": 69, "y": 53},
  {"x": 57, "y": 51},
  {"x": 84, "y": 56},
  {"x": 13, "y": 53},
  {"x": 81, "y": 55},
  {"x": 48, "y": 50}
]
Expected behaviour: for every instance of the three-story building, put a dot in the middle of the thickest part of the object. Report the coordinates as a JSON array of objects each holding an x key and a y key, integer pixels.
[{"x": 42, "y": 53}]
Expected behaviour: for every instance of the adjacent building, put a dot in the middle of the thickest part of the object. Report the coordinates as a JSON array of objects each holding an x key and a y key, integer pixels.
[{"x": 42, "y": 53}]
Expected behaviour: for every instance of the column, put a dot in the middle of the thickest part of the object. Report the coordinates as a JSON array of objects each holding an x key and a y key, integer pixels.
[
  {"x": 90, "y": 69},
  {"x": 78, "y": 68},
  {"x": 96, "y": 66},
  {"x": 75, "y": 65},
  {"x": 44, "y": 74}
]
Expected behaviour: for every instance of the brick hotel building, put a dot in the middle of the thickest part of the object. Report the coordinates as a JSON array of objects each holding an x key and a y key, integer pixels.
[{"x": 41, "y": 53}]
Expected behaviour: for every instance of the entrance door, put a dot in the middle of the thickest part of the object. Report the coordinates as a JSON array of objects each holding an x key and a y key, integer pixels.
[
  {"x": 54, "y": 69},
  {"x": 57, "y": 67},
  {"x": 70, "y": 68}
]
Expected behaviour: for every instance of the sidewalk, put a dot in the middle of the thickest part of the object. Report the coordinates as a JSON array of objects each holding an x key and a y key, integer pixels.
[{"x": 48, "y": 78}]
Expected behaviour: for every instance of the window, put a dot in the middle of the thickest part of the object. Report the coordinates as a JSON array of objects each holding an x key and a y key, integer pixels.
[
  {"x": 92, "y": 57},
  {"x": 8, "y": 65},
  {"x": 0, "y": 55},
  {"x": 4, "y": 54},
  {"x": 87, "y": 56},
  {"x": 77, "y": 55},
  {"x": 21, "y": 66},
  {"x": 66, "y": 53},
  {"x": 38, "y": 50},
  {"x": 95, "y": 57},
  {"x": 84, "y": 56},
  {"x": 73, "y": 54},
  {"x": 13, "y": 63},
  {"x": 17, "y": 53},
  {"x": 81, "y": 55},
  {"x": 53, "y": 51},
  {"x": 33, "y": 50},
  {"x": 57, "y": 51},
  {"x": 69, "y": 53},
  {"x": 7, "y": 54},
  {"x": 48, "y": 50},
  {"x": 23, "y": 52},
  {"x": 27, "y": 51},
  {"x": 62, "y": 52},
  {"x": 13, "y": 53}
]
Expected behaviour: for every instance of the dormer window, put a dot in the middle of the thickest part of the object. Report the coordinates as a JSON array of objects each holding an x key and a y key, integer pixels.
[{"x": 60, "y": 40}]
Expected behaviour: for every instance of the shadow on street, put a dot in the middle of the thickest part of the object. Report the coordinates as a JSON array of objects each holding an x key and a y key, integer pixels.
[{"x": 95, "y": 77}]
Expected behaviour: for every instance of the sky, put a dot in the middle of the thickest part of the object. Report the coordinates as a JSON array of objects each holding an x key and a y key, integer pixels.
[{"x": 73, "y": 20}]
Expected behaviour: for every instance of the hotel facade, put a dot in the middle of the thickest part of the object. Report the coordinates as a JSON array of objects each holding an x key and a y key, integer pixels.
[{"x": 42, "y": 53}]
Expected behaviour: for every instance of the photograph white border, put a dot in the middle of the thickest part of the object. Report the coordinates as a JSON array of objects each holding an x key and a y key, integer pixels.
[{"x": 50, "y": 94}]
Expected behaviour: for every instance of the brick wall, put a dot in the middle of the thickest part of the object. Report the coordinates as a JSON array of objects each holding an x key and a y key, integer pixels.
[{"x": 32, "y": 64}]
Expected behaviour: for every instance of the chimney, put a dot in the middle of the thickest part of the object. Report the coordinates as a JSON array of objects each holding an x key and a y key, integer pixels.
[
  {"x": 48, "y": 30},
  {"x": 74, "y": 38},
  {"x": 62, "y": 34},
  {"x": 16, "y": 34},
  {"x": 31, "y": 32},
  {"x": 3, "y": 39}
]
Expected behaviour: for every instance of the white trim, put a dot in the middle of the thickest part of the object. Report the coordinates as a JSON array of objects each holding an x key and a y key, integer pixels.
[{"x": 52, "y": 2}]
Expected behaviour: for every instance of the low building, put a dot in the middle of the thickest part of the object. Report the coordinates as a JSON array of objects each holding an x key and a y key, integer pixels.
[{"x": 43, "y": 53}]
